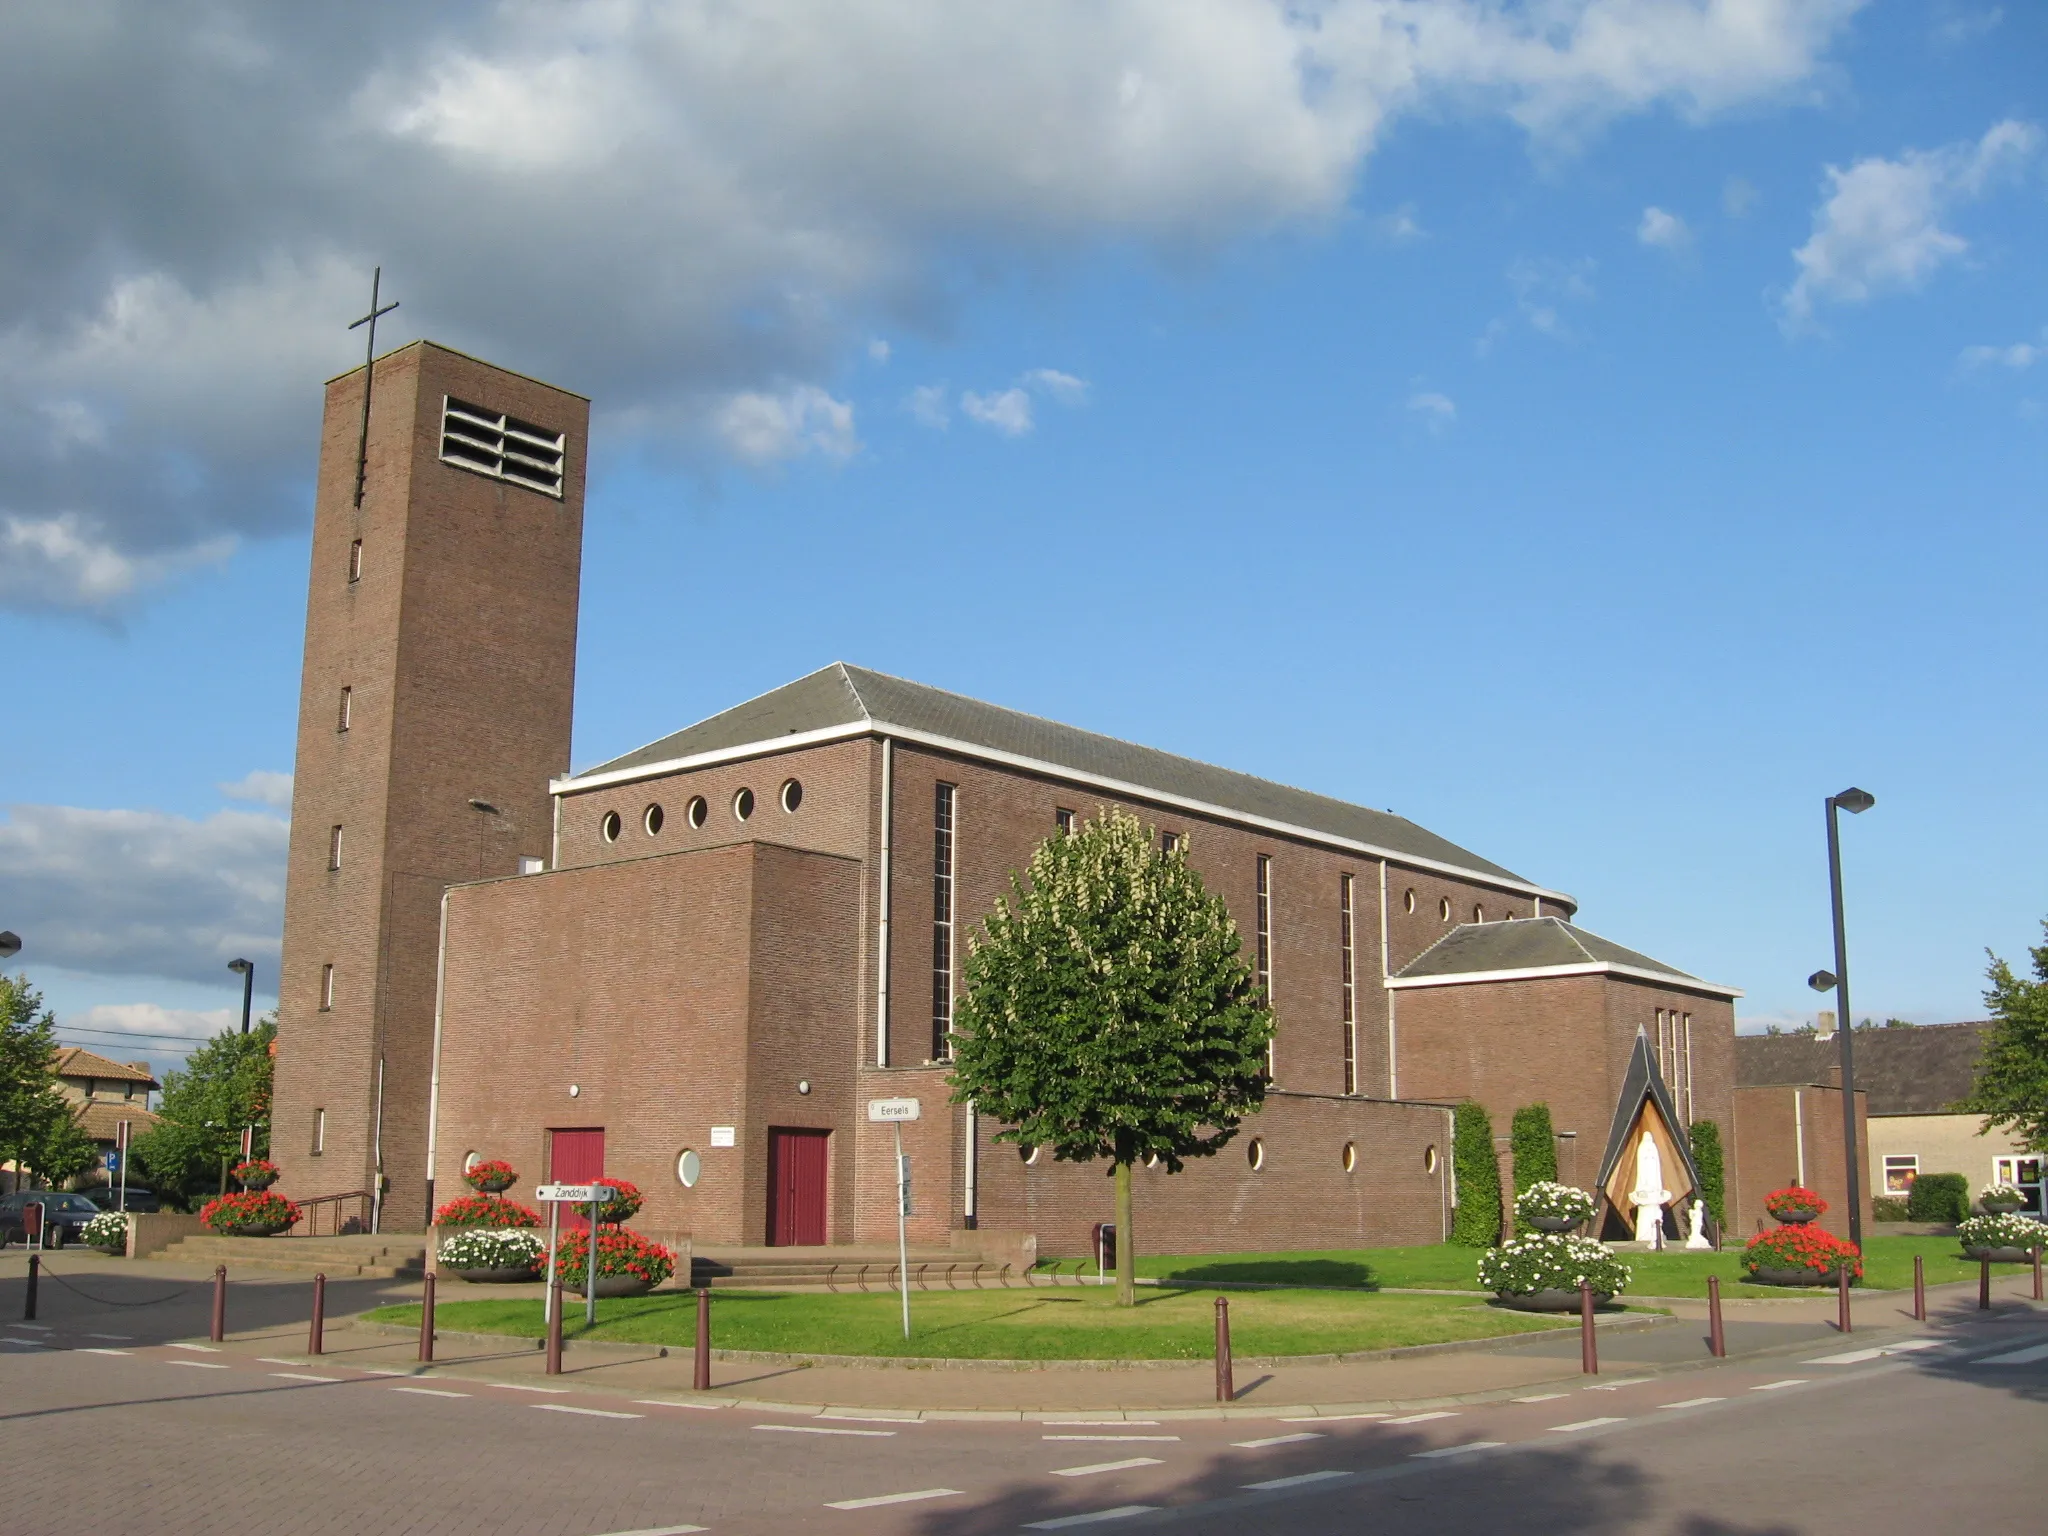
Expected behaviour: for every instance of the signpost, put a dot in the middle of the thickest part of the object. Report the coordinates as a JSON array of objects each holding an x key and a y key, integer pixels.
[
  {"x": 557, "y": 1196},
  {"x": 895, "y": 1112},
  {"x": 121, "y": 1157}
]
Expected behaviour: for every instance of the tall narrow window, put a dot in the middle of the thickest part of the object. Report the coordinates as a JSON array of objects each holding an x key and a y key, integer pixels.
[
  {"x": 327, "y": 986},
  {"x": 319, "y": 1131},
  {"x": 942, "y": 922},
  {"x": 1264, "y": 963},
  {"x": 355, "y": 560},
  {"x": 1063, "y": 819},
  {"x": 1349, "y": 975},
  {"x": 1169, "y": 842},
  {"x": 341, "y": 714},
  {"x": 334, "y": 846}
]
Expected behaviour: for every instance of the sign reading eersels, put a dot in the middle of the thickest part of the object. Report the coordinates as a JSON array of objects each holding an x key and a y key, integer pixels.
[{"x": 884, "y": 1110}]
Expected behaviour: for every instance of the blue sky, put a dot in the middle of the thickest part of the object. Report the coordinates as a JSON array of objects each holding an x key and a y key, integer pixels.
[{"x": 1597, "y": 462}]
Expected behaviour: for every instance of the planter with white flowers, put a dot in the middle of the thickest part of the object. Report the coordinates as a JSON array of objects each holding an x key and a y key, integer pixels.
[
  {"x": 494, "y": 1255},
  {"x": 1995, "y": 1198},
  {"x": 2004, "y": 1238},
  {"x": 1552, "y": 1207},
  {"x": 1542, "y": 1272},
  {"x": 107, "y": 1232}
]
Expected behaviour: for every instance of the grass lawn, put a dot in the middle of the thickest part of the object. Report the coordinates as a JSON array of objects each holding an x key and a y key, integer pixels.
[
  {"x": 1887, "y": 1265},
  {"x": 1067, "y": 1324}
]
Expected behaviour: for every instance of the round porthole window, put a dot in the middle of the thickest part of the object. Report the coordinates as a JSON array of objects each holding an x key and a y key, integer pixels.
[
  {"x": 1408, "y": 900},
  {"x": 792, "y": 795},
  {"x": 653, "y": 820},
  {"x": 1350, "y": 1156},
  {"x": 696, "y": 811},
  {"x": 743, "y": 805},
  {"x": 610, "y": 826},
  {"x": 1443, "y": 909},
  {"x": 1478, "y": 913},
  {"x": 1027, "y": 1152},
  {"x": 1429, "y": 1159},
  {"x": 470, "y": 1160},
  {"x": 689, "y": 1168},
  {"x": 1255, "y": 1154}
]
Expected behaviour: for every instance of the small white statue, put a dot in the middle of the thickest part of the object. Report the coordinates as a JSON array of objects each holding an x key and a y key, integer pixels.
[
  {"x": 1649, "y": 1195},
  {"x": 1697, "y": 1236}
]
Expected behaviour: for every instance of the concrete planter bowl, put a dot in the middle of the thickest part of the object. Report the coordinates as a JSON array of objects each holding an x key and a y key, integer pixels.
[
  {"x": 1797, "y": 1218},
  {"x": 1556, "y": 1223},
  {"x": 2000, "y": 1255},
  {"x": 1551, "y": 1300},
  {"x": 622, "y": 1285},
  {"x": 502, "y": 1274},
  {"x": 1770, "y": 1276}
]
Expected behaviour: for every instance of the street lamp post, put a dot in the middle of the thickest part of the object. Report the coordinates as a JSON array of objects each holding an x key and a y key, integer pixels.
[
  {"x": 247, "y": 970},
  {"x": 482, "y": 808},
  {"x": 10, "y": 944},
  {"x": 1855, "y": 802}
]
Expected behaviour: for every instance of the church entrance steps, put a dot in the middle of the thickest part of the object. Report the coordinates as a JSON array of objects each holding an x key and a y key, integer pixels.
[
  {"x": 367, "y": 1257},
  {"x": 852, "y": 1268}
]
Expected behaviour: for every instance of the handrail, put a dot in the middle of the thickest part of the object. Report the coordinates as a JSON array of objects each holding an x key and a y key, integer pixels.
[{"x": 308, "y": 1224}]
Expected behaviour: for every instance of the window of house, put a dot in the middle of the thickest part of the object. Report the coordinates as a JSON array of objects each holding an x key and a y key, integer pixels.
[
  {"x": 1169, "y": 842},
  {"x": 334, "y": 846},
  {"x": 1263, "y": 953},
  {"x": 319, "y": 1131},
  {"x": 942, "y": 921},
  {"x": 1346, "y": 974},
  {"x": 1063, "y": 819},
  {"x": 355, "y": 560},
  {"x": 1255, "y": 1154},
  {"x": 327, "y": 986},
  {"x": 341, "y": 719},
  {"x": 1899, "y": 1174},
  {"x": 696, "y": 811},
  {"x": 491, "y": 443},
  {"x": 128, "y": 1090},
  {"x": 1478, "y": 913}
]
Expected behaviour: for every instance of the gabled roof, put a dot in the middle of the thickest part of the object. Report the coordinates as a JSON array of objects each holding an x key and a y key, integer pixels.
[
  {"x": 842, "y": 700},
  {"x": 77, "y": 1061},
  {"x": 101, "y": 1119},
  {"x": 1644, "y": 1081},
  {"x": 1536, "y": 947},
  {"x": 1917, "y": 1071}
]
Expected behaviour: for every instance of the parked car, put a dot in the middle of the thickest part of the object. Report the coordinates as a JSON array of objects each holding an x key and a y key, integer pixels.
[
  {"x": 64, "y": 1216},
  {"x": 108, "y": 1198}
]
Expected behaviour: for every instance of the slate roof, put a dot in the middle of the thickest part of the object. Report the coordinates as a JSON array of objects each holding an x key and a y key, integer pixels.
[
  {"x": 77, "y": 1061},
  {"x": 1918, "y": 1071},
  {"x": 845, "y": 696},
  {"x": 1536, "y": 943}
]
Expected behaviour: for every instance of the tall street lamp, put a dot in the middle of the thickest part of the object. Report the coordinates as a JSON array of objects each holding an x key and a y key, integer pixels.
[
  {"x": 482, "y": 808},
  {"x": 10, "y": 944},
  {"x": 1855, "y": 802},
  {"x": 247, "y": 971}
]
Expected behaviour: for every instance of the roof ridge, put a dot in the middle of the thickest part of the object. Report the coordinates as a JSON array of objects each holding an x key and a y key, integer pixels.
[
  {"x": 846, "y": 676},
  {"x": 1573, "y": 934}
]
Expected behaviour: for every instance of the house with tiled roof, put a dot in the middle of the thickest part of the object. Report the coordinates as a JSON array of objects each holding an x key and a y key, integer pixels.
[{"x": 102, "y": 1093}]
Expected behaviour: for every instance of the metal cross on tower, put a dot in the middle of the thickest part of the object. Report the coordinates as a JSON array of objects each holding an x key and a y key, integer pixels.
[{"x": 369, "y": 368}]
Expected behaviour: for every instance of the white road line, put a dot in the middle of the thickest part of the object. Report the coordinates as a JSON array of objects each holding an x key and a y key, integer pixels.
[
  {"x": 1772, "y": 1386},
  {"x": 429, "y": 1392},
  {"x": 1107, "y": 1466},
  {"x": 1121, "y": 1512},
  {"x": 371, "y": 1370},
  {"x": 868, "y": 1418},
  {"x": 518, "y": 1386},
  {"x": 662, "y": 1530},
  {"x": 592, "y": 1413},
  {"x": 25, "y": 1343},
  {"x": 1458, "y": 1450},
  {"x": 302, "y": 1376},
  {"x": 1259, "y": 1445},
  {"x": 1616, "y": 1386},
  {"x": 895, "y": 1498},
  {"x": 1565, "y": 1429},
  {"x": 1098, "y": 1423},
  {"x": 1109, "y": 1437},
  {"x": 2016, "y": 1357},
  {"x": 1541, "y": 1397},
  {"x": 1424, "y": 1418},
  {"x": 118, "y": 1338},
  {"x": 1334, "y": 1418},
  {"x": 197, "y": 1365},
  {"x": 34, "y": 1327},
  {"x": 810, "y": 1429},
  {"x": 1297, "y": 1480},
  {"x": 87, "y": 1349},
  {"x": 197, "y": 1349},
  {"x": 1694, "y": 1402},
  {"x": 272, "y": 1360},
  {"x": 1858, "y": 1356},
  {"x": 657, "y": 1402}
]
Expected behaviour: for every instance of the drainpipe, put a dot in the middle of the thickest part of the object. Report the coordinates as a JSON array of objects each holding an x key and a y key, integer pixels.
[
  {"x": 555, "y": 842},
  {"x": 434, "y": 1081},
  {"x": 882, "y": 933},
  {"x": 972, "y": 1167}
]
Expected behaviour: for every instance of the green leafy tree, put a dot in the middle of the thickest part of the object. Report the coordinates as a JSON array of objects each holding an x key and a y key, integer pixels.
[
  {"x": 1534, "y": 1143},
  {"x": 2012, "y": 1075},
  {"x": 37, "y": 1130},
  {"x": 1107, "y": 1014},
  {"x": 1707, "y": 1156},
  {"x": 223, "y": 1086},
  {"x": 1475, "y": 1220}
]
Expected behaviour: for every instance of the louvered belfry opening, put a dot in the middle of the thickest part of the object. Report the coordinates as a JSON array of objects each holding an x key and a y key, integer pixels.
[{"x": 503, "y": 447}]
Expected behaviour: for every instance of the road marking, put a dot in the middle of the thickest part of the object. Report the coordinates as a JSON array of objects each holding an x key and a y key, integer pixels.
[
  {"x": 273, "y": 1360},
  {"x": 593, "y": 1413},
  {"x": 1694, "y": 1402},
  {"x": 25, "y": 1343},
  {"x": 1772, "y": 1386},
  {"x": 197, "y": 1365},
  {"x": 662, "y": 1530},
  {"x": 868, "y": 1418},
  {"x": 1098, "y": 1423},
  {"x": 1458, "y": 1450},
  {"x": 34, "y": 1327},
  {"x": 87, "y": 1349},
  {"x": 1257, "y": 1445},
  {"x": 371, "y": 1370},
  {"x": 1107, "y": 1466},
  {"x": 1541, "y": 1397},
  {"x": 197, "y": 1349},
  {"x": 2016, "y": 1357},
  {"x": 1424, "y": 1418},
  {"x": 429, "y": 1392},
  {"x": 515, "y": 1386},
  {"x": 1565, "y": 1429},
  {"x": 808, "y": 1429},
  {"x": 895, "y": 1498},
  {"x": 1109, "y": 1437},
  {"x": 1616, "y": 1386},
  {"x": 1334, "y": 1418},
  {"x": 1297, "y": 1480},
  {"x": 1858, "y": 1356},
  {"x": 302, "y": 1376},
  {"x": 656, "y": 1402},
  {"x": 119, "y": 1338},
  {"x": 1121, "y": 1512}
]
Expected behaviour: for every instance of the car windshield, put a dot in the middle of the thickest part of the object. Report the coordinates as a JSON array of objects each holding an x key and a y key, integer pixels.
[{"x": 72, "y": 1203}]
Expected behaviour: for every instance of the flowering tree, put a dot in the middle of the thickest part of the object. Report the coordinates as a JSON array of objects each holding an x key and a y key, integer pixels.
[{"x": 1108, "y": 1015}]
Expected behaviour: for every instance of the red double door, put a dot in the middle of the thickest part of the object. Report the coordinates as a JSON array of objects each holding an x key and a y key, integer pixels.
[
  {"x": 576, "y": 1156},
  {"x": 796, "y": 1187}
]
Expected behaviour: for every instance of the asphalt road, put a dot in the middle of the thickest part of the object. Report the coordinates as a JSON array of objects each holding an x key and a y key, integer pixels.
[{"x": 111, "y": 1430}]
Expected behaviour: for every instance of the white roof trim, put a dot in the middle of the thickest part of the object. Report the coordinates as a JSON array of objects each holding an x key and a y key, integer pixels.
[
  {"x": 571, "y": 783},
  {"x": 1591, "y": 968}
]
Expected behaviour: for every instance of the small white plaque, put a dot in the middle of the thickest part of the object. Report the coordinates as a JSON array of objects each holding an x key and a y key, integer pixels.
[
  {"x": 722, "y": 1136},
  {"x": 885, "y": 1110}
]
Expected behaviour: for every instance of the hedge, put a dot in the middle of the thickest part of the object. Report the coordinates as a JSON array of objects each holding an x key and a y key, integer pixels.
[
  {"x": 1941, "y": 1197},
  {"x": 1705, "y": 1137},
  {"x": 1475, "y": 1223}
]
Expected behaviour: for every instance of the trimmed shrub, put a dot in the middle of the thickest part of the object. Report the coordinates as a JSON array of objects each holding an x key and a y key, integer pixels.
[
  {"x": 1705, "y": 1139},
  {"x": 1888, "y": 1208},
  {"x": 1940, "y": 1197},
  {"x": 1475, "y": 1222},
  {"x": 1533, "y": 1145}
]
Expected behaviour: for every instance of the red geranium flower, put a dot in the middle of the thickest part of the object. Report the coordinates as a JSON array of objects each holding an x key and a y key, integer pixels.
[{"x": 1793, "y": 1197}]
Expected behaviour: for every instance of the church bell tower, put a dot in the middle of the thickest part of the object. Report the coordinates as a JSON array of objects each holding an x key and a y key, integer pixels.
[{"x": 434, "y": 707}]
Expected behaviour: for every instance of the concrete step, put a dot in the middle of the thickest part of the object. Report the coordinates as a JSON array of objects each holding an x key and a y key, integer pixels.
[
  {"x": 357, "y": 1257},
  {"x": 933, "y": 1271}
]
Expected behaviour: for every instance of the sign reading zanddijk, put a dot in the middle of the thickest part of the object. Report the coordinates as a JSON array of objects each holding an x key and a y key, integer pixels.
[
  {"x": 884, "y": 1110},
  {"x": 574, "y": 1194}
]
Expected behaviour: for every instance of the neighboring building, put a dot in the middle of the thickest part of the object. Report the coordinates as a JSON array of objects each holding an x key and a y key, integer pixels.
[
  {"x": 691, "y": 966},
  {"x": 103, "y": 1093},
  {"x": 1910, "y": 1079}
]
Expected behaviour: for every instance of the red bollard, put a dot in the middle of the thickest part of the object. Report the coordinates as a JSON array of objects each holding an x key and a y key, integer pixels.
[
  {"x": 1842, "y": 1300},
  {"x": 1919, "y": 1289},
  {"x": 427, "y": 1321},
  {"x": 1589, "y": 1352},
  {"x": 700, "y": 1377},
  {"x": 554, "y": 1327},
  {"x": 35, "y": 1275},
  {"x": 1983, "y": 1285},
  {"x": 319, "y": 1326},
  {"x": 219, "y": 1330},
  {"x": 1226, "y": 1386},
  {"x": 1717, "y": 1339},
  {"x": 2037, "y": 1275}
]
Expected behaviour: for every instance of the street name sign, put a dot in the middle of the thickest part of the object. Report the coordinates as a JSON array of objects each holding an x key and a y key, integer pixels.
[
  {"x": 883, "y": 1111},
  {"x": 574, "y": 1194}
]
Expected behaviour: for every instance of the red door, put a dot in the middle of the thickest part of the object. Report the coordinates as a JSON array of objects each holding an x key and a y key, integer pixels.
[
  {"x": 576, "y": 1157},
  {"x": 796, "y": 1187}
]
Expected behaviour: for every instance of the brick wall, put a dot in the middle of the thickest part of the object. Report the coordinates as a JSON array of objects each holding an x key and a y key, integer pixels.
[{"x": 1781, "y": 1130}]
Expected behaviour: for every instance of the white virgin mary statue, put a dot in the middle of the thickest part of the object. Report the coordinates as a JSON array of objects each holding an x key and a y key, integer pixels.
[{"x": 1649, "y": 1195}]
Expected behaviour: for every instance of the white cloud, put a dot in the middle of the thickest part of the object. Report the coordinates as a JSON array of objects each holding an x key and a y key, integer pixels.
[
  {"x": 1738, "y": 197},
  {"x": 145, "y": 1031},
  {"x": 1959, "y": 24},
  {"x": 1062, "y": 387},
  {"x": 68, "y": 561},
  {"x": 878, "y": 350},
  {"x": 2017, "y": 356},
  {"x": 1542, "y": 289},
  {"x": 1663, "y": 231},
  {"x": 1439, "y": 411},
  {"x": 1401, "y": 225},
  {"x": 264, "y": 786},
  {"x": 1008, "y": 411},
  {"x": 1880, "y": 229},
  {"x": 763, "y": 428},
  {"x": 928, "y": 407},
  {"x": 143, "y": 893}
]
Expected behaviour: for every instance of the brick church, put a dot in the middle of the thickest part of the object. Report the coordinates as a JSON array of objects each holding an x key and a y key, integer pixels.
[{"x": 693, "y": 965}]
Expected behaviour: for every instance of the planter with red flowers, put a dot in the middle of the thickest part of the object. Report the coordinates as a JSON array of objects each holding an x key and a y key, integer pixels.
[
  {"x": 485, "y": 1211},
  {"x": 257, "y": 1173},
  {"x": 627, "y": 1263},
  {"x": 1797, "y": 1254},
  {"x": 1794, "y": 1205},
  {"x": 256, "y": 1213},
  {"x": 624, "y": 1204},
  {"x": 492, "y": 1176}
]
